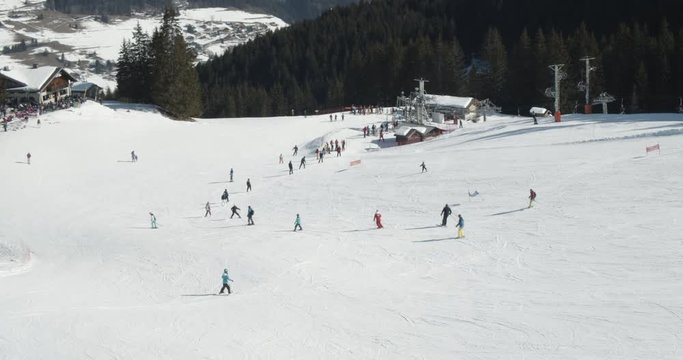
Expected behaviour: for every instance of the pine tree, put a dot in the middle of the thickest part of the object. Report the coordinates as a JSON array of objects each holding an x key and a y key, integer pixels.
[
  {"x": 175, "y": 83},
  {"x": 494, "y": 55},
  {"x": 124, "y": 71}
]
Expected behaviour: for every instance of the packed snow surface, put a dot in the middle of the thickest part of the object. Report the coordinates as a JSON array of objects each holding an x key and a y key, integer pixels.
[{"x": 593, "y": 271}]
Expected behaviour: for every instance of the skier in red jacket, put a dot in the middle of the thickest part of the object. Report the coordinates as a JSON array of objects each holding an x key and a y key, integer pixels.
[
  {"x": 378, "y": 219},
  {"x": 532, "y": 196}
]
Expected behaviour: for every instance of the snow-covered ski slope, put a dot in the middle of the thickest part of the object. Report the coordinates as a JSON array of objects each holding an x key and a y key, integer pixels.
[{"x": 593, "y": 271}]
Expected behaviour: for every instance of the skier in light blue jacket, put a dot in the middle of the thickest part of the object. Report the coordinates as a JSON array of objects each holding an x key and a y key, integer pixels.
[
  {"x": 226, "y": 279},
  {"x": 297, "y": 223}
]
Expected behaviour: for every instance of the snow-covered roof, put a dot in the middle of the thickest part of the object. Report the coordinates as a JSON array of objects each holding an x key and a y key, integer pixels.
[
  {"x": 83, "y": 86},
  {"x": 447, "y": 100},
  {"x": 32, "y": 78},
  {"x": 538, "y": 110},
  {"x": 404, "y": 130}
]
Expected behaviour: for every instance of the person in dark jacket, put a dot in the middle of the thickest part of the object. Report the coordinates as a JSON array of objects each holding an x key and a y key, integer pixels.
[
  {"x": 234, "y": 209},
  {"x": 446, "y": 212},
  {"x": 532, "y": 196},
  {"x": 250, "y": 215},
  {"x": 423, "y": 166},
  {"x": 302, "y": 163},
  {"x": 248, "y": 185},
  {"x": 225, "y": 197},
  {"x": 291, "y": 168}
]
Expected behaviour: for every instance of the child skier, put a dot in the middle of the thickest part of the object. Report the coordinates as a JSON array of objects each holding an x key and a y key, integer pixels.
[
  {"x": 297, "y": 223},
  {"x": 250, "y": 215},
  {"x": 532, "y": 197},
  {"x": 378, "y": 220},
  {"x": 153, "y": 220},
  {"x": 208, "y": 209},
  {"x": 226, "y": 279},
  {"x": 234, "y": 209},
  {"x": 460, "y": 226},
  {"x": 28, "y": 158}
]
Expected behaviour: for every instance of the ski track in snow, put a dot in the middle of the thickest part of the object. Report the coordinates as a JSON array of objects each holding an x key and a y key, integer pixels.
[{"x": 592, "y": 270}]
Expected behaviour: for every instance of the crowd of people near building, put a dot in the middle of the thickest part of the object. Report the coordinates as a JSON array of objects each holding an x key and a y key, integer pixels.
[{"x": 17, "y": 116}]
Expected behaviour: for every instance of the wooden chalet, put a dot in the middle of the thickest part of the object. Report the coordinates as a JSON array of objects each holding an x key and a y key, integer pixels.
[
  {"x": 37, "y": 85},
  {"x": 409, "y": 134}
]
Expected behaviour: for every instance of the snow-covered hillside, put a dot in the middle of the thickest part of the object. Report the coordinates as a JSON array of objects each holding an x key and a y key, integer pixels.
[
  {"x": 84, "y": 39},
  {"x": 593, "y": 271}
]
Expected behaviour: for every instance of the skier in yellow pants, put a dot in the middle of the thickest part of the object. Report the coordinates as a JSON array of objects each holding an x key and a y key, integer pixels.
[{"x": 461, "y": 226}]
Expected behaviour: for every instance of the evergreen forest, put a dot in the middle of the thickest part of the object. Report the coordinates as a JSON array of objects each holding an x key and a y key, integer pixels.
[{"x": 371, "y": 51}]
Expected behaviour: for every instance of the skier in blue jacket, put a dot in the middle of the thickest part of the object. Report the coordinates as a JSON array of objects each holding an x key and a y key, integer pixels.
[
  {"x": 297, "y": 223},
  {"x": 226, "y": 279},
  {"x": 461, "y": 226}
]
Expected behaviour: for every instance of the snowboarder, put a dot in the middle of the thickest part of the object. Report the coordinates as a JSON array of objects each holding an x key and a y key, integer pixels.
[
  {"x": 297, "y": 223},
  {"x": 225, "y": 197},
  {"x": 423, "y": 167},
  {"x": 296, "y": 150},
  {"x": 302, "y": 163},
  {"x": 378, "y": 219},
  {"x": 291, "y": 167},
  {"x": 208, "y": 209},
  {"x": 446, "y": 212},
  {"x": 250, "y": 215},
  {"x": 226, "y": 279},
  {"x": 28, "y": 158},
  {"x": 532, "y": 197},
  {"x": 153, "y": 220},
  {"x": 234, "y": 209},
  {"x": 460, "y": 226},
  {"x": 282, "y": 161},
  {"x": 231, "y": 173},
  {"x": 248, "y": 185}
]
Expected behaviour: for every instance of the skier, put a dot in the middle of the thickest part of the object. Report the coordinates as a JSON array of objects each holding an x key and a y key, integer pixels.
[
  {"x": 291, "y": 167},
  {"x": 208, "y": 209},
  {"x": 321, "y": 156},
  {"x": 225, "y": 197},
  {"x": 226, "y": 278},
  {"x": 343, "y": 116},
  {"x": 231, "y": 173},
  {"x": 535, "y": 120},
  {"x": 234, "y": 209},
  {"x": 330, "y": 117},
  {"x": 532, "y": 197},
  {"x": 28, "y": 158},
  {"x": 296, "y": 150},
  {"x": 302, "y": 163},
  {"x": 460, "y": 226},
  {"x": 338, "y": 151},
  {"x": 423, "y": 166},
  {"x": 343, "y": 145},
  {"x": 378, "y": 219},
  {"x": 133, "y": 157},
  {"x": 297, "y": 223},
  {"x": 446, "y": 212},
  {"x": 153, "y": 220},
  {"x": 381, "y": 134},
  {"x": 248, "y": 185},
  {"x": 282, "y": 161},
  {"x": 250, "y": 215}
]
